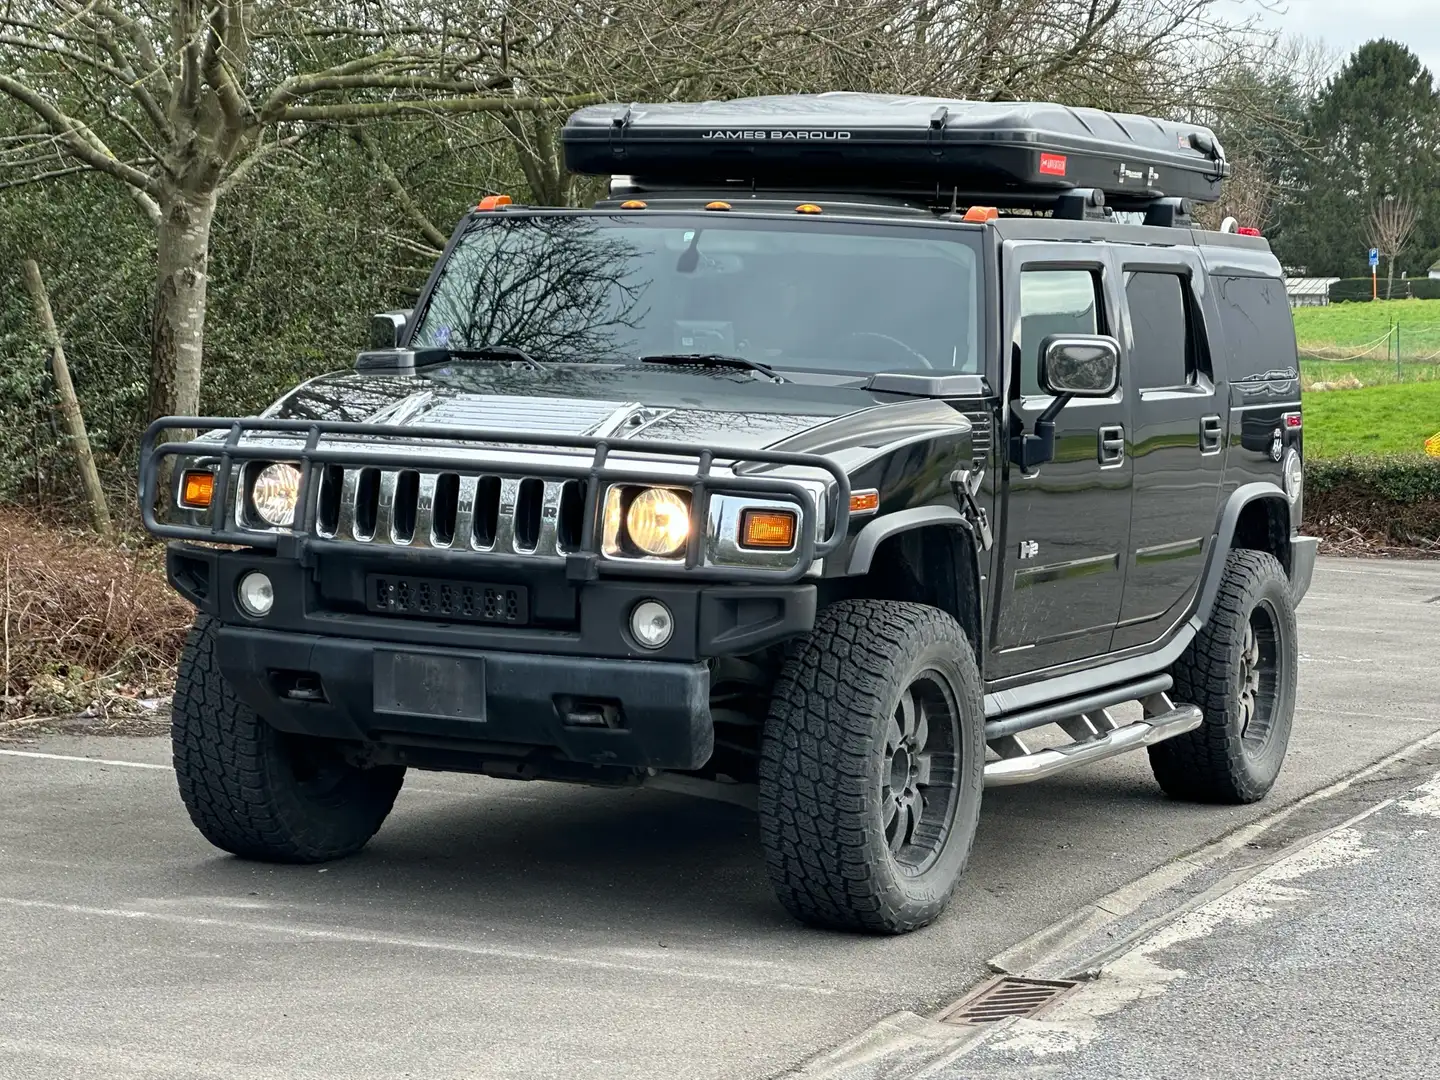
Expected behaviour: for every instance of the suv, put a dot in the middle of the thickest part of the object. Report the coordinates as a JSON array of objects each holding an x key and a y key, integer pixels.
[{"x": 827, "y": 490}]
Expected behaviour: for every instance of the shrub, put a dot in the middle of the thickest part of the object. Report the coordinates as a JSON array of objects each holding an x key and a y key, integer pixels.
[
  {"x": 86, "y": 624},
  {"x": 1391, "y": 501}
]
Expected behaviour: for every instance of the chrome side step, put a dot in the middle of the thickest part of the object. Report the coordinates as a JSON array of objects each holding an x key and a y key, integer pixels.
[{"x": 1097, "y": 736}]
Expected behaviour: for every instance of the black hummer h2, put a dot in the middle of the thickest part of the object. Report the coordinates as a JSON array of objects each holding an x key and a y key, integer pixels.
[{"x": 851, "y": 442}]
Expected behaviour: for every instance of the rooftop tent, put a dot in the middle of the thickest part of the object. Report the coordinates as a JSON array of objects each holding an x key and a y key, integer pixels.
[{"x": 844, "y": 141}]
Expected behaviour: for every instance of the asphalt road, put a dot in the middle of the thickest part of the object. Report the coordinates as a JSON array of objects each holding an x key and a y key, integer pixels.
[
  {"x": 1295, "y": 973},
  {"x": 496, "y": 929}
]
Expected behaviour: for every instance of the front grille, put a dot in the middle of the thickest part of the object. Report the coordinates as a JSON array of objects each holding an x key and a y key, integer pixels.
[
  {"x": 435, "y": 598},
  {"x": 450, "y": 510}
]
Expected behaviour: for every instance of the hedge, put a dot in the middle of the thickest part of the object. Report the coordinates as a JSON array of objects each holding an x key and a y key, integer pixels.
[
  {"x": 1354, "y": 290},
  {"x": 1393, "y": 501}
]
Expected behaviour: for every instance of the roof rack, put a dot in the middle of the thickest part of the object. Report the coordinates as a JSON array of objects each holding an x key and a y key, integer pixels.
[
  {"x": 1075, "y": 204},
  {"x": 1017, "y": 155}
]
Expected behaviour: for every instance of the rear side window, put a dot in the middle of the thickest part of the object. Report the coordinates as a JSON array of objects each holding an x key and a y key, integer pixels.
[
  {"x": 1259, "y": 329},
  {"x": 1163, "y": 353},
  {"x": 1054, "y": 302}
]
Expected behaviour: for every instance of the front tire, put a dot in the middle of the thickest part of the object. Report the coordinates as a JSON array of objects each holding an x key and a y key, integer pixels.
[
  {"x": 872, "y": 768},
  {"x": 260, "y": 793},
  {"x": 1241, "y": 671}
]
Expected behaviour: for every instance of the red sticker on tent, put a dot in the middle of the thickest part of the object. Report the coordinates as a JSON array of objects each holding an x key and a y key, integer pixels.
[{"x": 1052, "y": 164}]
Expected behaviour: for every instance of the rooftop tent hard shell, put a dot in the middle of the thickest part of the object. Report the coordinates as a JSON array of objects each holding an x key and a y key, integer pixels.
[{"x": 847, "y": 140}]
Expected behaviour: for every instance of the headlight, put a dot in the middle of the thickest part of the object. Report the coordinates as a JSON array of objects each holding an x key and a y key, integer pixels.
[
  {"x": 652, "y": 521},
  {"x": 658, "y": 522},
  {"x": 275, "y": 493}
]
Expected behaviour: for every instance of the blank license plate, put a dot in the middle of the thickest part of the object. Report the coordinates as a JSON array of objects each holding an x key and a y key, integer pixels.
[{"x": 430, "y": 684}]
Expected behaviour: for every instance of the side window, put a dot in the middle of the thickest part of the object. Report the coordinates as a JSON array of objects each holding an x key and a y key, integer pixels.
[
  {"x": 1054, "y": 302},
  {"x": 1165, "y": 352},
  {"x": 1259, "y": 328}
]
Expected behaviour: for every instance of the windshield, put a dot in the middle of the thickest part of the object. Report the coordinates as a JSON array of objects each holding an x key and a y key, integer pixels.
[{"x": 825, "y": 295}]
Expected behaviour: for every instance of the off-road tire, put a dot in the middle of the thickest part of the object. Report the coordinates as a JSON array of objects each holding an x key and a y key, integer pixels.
[
  {"x": 825, "y": 758},
  {"x": 1215, "y": 763},
  {"x": 244, "y": 782}
]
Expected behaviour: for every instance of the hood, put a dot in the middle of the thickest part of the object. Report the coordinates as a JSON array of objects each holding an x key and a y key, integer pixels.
[{"x": 712, "y": 408}]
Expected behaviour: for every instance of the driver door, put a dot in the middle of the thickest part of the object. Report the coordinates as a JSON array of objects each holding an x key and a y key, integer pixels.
[{"x": 1066, "y": 523}]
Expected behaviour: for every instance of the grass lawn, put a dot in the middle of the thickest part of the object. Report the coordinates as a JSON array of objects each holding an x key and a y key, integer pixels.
[
  {"x": 1347, "y": 329},
  {"x": 1380, "y": 372},
  {"x": 1394, "y": 419}
]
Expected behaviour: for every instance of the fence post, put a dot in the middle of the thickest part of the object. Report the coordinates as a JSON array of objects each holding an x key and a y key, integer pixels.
[
  {"x": 1399, "y": 369},
  {"x": 69, "y": 406}
]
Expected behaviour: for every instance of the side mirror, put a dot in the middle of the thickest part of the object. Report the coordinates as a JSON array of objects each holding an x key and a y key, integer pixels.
[
  {"x": 1071, "y": 366},
  {"x": 1079, "y": 366},
  {"x": 387, "y": 329}
]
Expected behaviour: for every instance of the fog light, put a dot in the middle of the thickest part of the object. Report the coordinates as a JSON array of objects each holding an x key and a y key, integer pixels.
[
  {"x": 256, "y": 594},
  {"x": 652, "y": 624}
]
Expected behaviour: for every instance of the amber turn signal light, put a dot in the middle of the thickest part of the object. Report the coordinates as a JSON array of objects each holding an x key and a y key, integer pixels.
[
  {"x": 196, "y": 489},
  {"x": 767, "y": 529},
  {"x": 864, "y": 502}
]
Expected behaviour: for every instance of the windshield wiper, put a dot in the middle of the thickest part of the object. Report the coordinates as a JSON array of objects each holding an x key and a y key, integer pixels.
[
  {"x": 442, "y": 354},
  {"x": 712, "y": 360}
]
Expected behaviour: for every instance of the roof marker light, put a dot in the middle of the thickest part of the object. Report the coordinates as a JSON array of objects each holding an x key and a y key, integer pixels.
[
  {"x": 982, "y": 213},
  {"x": 808, "y": 208},
  {"x": 1247, "y": 230},
  {"x": 493, "y": 202},
  {"x": 634, "y": 204},
  {"x": 717, "y": 205}
]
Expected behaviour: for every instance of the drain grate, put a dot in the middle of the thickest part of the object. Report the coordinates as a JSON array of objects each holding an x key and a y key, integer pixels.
[{"x": 1004, "y": 997}]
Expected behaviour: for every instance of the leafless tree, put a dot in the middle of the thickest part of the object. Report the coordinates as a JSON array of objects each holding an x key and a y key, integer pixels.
[
  {"x": 1391, "y": 225},
  {"x": 182, "y": 100}
]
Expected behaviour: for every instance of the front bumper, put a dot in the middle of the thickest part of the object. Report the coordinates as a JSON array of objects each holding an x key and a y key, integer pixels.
[
  {"x": 328, "y": 599},
  {"x": 1303, "y": 550},
  {"x": 627, "y": 713}
]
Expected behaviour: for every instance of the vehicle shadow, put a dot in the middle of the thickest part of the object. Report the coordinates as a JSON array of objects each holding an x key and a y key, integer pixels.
[{"x": 646, "y": 863}]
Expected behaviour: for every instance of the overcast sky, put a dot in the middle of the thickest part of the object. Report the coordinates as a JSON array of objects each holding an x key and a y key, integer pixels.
[{"x": 1345, "y": 24}]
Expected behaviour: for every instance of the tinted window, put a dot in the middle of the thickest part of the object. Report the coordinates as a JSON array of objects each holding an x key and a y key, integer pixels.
[
  {"x": 801, "y": 293},
  {"x": 1053, "y": 302},
  {"x": 1159, "y": 317},
  {"x": 1259, "y": 329}
]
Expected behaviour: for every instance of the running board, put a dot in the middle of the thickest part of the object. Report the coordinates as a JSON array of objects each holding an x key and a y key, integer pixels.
[{"x": 1096, "y": 737}]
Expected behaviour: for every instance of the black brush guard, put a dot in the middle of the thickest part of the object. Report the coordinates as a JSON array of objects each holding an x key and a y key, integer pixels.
[{"x": 587, "y": 564}]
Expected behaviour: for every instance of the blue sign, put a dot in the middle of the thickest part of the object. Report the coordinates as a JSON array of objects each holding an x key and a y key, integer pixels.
[{"x": 1374, "y": 257}]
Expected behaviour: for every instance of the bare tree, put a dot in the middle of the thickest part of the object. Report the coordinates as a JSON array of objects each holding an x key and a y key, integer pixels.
[
  {"x": 1391, "y": 225},
  {"x": 181, "y": 100}
]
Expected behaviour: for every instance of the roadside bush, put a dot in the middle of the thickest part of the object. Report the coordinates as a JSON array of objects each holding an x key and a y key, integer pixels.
[
  {"x": 1378, "y": 501},
  {"x": 1361, "y": 290},
  {"x": 87, "y": 626}
]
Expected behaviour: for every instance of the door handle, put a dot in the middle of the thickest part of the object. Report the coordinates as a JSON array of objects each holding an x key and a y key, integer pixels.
[
  {"x": 1211, "y": 433},
  {"x": 1112, "y": 445}
]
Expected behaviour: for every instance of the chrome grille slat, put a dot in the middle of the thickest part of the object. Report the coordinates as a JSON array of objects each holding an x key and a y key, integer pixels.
[
  {"x": 549, "y": 541},
  {"x": 465, "y": 512},
  {"x": 425, "y": 512},
  {"x": 385, "y": 515},
  {"x": 505, "y": 527}
]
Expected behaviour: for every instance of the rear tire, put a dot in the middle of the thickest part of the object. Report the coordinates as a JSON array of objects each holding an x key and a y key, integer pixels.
[
  {"x": 1241, "y": 671},
  {"x": 872, "y": 768},
  {"x": 260, "y": 793}
]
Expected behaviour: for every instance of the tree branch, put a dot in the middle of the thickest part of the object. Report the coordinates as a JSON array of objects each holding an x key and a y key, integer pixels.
[
  {"x": 373, "y": 110},
  {"x": 80, "y": 143},
  {"x": 397, "y": 189}
]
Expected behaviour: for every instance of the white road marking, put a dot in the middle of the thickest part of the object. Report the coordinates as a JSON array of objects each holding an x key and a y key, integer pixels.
[
  {"x": 364, "y": 937},
  {"x": 1137, "y": 975},
  {"x": 86, "y": 760}
]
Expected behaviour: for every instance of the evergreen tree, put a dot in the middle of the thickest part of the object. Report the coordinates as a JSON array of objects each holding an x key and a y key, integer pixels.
[{"x": 1373, "y": 132}]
